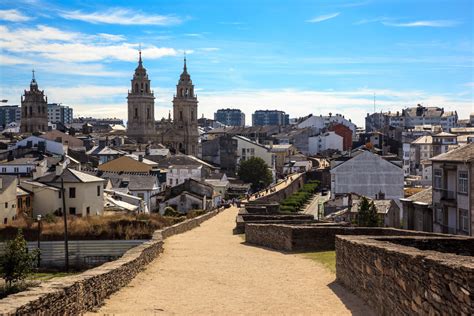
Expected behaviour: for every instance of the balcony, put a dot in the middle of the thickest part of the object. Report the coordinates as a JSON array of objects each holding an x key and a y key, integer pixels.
[{"x": 448, "y": 196}]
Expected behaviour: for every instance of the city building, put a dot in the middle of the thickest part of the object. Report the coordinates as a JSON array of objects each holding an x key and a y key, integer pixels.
[
  {"x": 412, "y": 117},
  {"x": 230, "y": 117},
  {"x": 8, "y": 208},
  {"x": 9, "y": 114},
  {"x": 418, "y": 211},
  {"x": 141, "y": 106},
  {"x": 453, "y": 190},
  {"x": 221, "y": 151},
  {"x": 247, "y": 149},
  {"x": 317, "y": 123},
  {"x": 58, "y": 113},
  {"x": 329, "y": 141},
  {"x": 368, "y": 174},
  {"x": 270, "y": 117},
  {"x": 34, "y": 112}
]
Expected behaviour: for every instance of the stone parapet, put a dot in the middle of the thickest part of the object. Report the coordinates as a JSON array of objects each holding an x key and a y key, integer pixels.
[{"x": 406, "y": 276}]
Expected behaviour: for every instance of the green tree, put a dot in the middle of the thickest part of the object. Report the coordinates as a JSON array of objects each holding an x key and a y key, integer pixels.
[
  {"x": 255, "y": 171},
  {"x": 16, "y": 263},
  {"x": 367, "y": 213}
]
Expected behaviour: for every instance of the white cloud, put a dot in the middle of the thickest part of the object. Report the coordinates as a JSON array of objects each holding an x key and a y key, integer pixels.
[
  {"x": 55, "y": 44},
  {"x": 210, "y": 49},
  {"x": 13, "y": 16},
  {"x": 322, "y": 18},
  {"x": 121, "y": 16},
  {"x": 425, "y": 23}
]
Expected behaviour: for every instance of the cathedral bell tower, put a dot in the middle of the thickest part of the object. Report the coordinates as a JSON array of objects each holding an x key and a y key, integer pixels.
[
  {"x": 34, "y": 109},
  {"x": 141, "y": 106},
  {"x": 185, "y": 115}
]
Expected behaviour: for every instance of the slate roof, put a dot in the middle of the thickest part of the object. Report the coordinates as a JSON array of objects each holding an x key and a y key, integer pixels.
[
  {"x": 423, "y": 140},
  {"x": 464, "y": 153},
  {"x": 22, "y": 161},
  {"x": 69, "y": 176},
  {"x": 6, "y": 182},
  {"x": 104, "y": 151},
  {"x": 134, "y": 182},
  {"x": 422, "y": 197}
]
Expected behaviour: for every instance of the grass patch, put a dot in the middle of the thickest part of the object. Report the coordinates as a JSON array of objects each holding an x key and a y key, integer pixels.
[{"x": 326, "y": 258}]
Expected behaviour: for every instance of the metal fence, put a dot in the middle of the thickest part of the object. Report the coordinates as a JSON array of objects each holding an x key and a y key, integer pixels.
[{"x": 82, "y": 253}]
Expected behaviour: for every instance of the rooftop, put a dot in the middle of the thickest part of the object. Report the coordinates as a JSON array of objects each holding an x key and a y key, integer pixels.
[{"x": 464, "y": 153}]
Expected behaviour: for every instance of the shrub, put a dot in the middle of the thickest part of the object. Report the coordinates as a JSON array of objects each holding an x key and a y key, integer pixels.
[
  {"x": 16, "y": 263},
  {"x": 169, "y": 211}
]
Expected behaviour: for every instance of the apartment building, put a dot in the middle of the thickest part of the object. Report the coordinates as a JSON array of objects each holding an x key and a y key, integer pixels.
[{"x": 453, "y": 189}]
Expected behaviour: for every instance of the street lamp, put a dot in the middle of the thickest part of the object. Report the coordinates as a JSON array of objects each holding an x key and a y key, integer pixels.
[{"x": 38, "y": 219}]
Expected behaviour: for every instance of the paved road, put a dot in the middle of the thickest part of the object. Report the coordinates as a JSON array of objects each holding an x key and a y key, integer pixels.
[
  {"x": 312, "y": 207},
  {"x": 209, "y": 271}
]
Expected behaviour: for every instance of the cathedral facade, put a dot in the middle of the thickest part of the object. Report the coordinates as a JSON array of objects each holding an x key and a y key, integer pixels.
[
  {"x": 179, "y": 134},
  {"x": 34, "y": 109}
]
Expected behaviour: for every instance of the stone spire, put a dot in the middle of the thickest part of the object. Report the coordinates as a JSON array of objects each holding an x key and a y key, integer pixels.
[{"x": 33, "y": 84}]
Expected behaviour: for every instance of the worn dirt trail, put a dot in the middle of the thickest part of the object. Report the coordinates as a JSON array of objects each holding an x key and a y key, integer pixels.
[{"x": 210, "y": 271}]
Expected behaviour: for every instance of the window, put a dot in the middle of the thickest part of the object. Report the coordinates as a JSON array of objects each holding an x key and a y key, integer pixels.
[
  {"x": 27, "y": 201},
  {"x": 98, "y": 190},
  {"x": 88, "y": 210},
  {"x": 180, "y": 115},
  {"x": 439, "y": 216},
  {"x": 192, "y": 116},
  {"x": 136, "y": 113},
  {"x": 463, "y": 220},
  {"x": 59, "y": 194},
  {"x": 6, "y": 204},
  {"x": 15, "y": 170},
  {"x": 4, "y": 170},
  {"x": 462, "y": 182},
  {"x": 72, "y": 211},
  {"x": 72, "y": 193},
  {"x": 438, "y": 175},
  {"x": 5, "y": 221},
  {"x": 19, "y": 201},
  {"x": 148, "y": 113}
]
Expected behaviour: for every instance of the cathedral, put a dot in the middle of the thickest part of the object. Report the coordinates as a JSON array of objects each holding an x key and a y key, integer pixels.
[
  {"x": 34, "y": 109},
  {"x": 180, "y": 134}
]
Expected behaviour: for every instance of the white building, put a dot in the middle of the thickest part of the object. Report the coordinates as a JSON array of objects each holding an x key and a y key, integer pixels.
[
  {"x": 42, "y": 144},
  {"x": 24, "y": 167},
  {"x": 8, "y": 200},
  {"x": 177, "y": 174},
  {"x": 319, "y": 122},
  {"x": 83, "y": 193},
  {"x": 367, "y": 174},
  {"x": 325, "y": 141},
  {"x": 247, "y": 149}
]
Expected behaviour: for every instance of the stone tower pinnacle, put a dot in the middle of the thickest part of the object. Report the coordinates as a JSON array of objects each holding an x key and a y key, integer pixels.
[
  {"x": 141, "y": 106},
  {"x": 34, "y": 109}
]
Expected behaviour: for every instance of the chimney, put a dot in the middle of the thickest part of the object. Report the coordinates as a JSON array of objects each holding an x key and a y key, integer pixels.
[{"x": 59, "y": 169}]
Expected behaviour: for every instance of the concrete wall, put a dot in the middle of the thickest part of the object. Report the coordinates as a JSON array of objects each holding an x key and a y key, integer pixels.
[
  {"x": 80, "y": 293},
  {"x": 398, "y": 279}
]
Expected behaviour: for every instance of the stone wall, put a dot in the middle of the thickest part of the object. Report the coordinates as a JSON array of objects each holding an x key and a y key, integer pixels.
[
  {"x": 397, "y": 279},
  {"x": 77, "y": 294},
  {"x": 280, "y": 195},
  {"x": 314, "y": 237}
]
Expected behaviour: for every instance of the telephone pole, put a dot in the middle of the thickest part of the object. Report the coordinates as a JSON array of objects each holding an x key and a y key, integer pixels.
[{"x": 66, "y": 246}]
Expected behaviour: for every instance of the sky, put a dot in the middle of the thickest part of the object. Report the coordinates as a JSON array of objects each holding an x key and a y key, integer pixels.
[{"x": 302, "y": 57}]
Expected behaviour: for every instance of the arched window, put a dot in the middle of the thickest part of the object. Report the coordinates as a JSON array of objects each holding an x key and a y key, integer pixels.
[
  {"x": 192, "y": 116},
  {"x": 136, "y": 113},
  {"x": 146, "y": 87},
  {"x": 39, "y": 109},
  {"x": 180, "y": 115},
  {"x": 148, "y": 113},
  {"x": 136, "y": 87},
  {"x": 31, "y": 110},
  {"x": 187, "y": 91},
  {"x": 25, "y": 111}
]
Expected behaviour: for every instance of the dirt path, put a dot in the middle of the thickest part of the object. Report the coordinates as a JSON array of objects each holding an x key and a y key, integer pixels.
[{"x": 210, "y": 271}]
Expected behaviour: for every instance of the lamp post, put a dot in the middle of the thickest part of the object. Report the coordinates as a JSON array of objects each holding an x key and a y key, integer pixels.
[{"x": 38, "y": 219}]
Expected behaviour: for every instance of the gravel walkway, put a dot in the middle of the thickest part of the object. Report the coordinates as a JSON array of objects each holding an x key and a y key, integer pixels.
[{"x": 210, "y": 271}]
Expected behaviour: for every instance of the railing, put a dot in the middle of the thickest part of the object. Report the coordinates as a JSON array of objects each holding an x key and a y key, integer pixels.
[{"x": 448, "y": 195}]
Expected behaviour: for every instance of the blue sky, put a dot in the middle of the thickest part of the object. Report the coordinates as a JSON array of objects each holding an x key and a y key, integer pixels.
[{"x": 298, "y": 56}]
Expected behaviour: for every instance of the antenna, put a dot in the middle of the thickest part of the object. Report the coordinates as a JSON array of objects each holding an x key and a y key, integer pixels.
[
  {"x": 33, "y": 71},
  {"x": 374, "y": 102}
]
